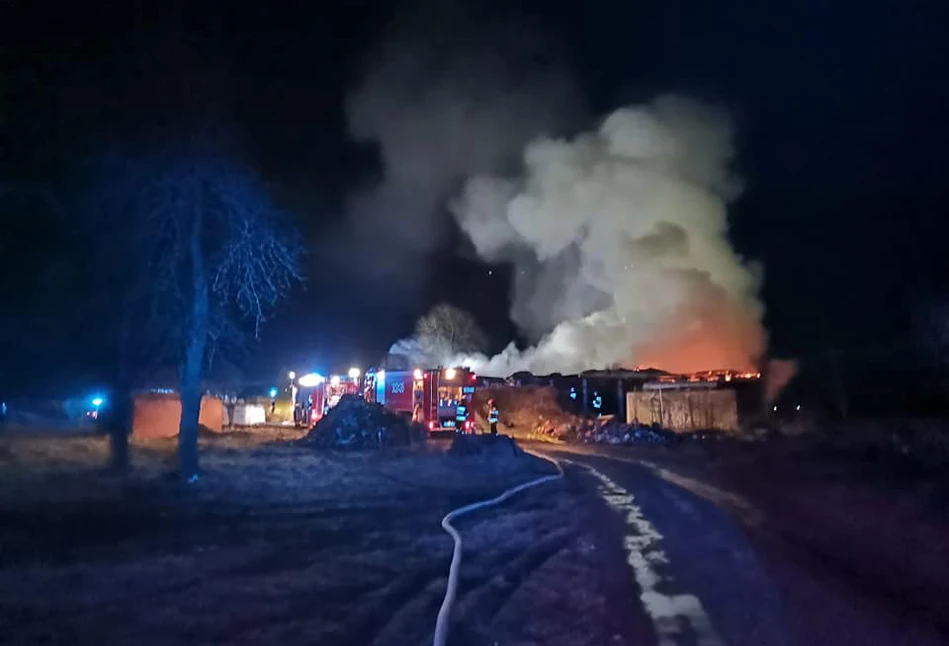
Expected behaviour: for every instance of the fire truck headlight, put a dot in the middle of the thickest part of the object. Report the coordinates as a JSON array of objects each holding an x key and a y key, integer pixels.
[
  {"x": 450, "y": 373},
  {"x": 417, "y": 374},
  {"x": 354, "y": 373}
]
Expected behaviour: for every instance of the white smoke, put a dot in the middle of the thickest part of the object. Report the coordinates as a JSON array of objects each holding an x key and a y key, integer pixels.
[
  {"x": 451, "y": 92},
  {"x": 619, "y": 242}
]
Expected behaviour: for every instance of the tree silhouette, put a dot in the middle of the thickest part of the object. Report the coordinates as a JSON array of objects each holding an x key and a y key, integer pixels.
[
  {"x": 447, "y": 331},
  {"x": 200, "y": 246}
]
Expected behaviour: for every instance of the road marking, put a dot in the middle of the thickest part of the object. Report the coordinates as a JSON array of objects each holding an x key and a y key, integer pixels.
[
  {"x": 740, "y": 505},
  {"x": 645, "y": 556}
]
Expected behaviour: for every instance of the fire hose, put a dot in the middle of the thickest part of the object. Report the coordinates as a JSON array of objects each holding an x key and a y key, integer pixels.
[{"x": 444, "y": 613}]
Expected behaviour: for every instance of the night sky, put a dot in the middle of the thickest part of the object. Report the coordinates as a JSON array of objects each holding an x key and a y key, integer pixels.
[{"x": 840, "y": 111}]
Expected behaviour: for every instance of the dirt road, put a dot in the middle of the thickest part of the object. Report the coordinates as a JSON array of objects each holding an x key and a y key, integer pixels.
[{"x": 711, "y": 567}]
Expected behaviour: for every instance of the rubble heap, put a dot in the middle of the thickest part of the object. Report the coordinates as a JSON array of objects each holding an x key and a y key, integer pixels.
[
  {"x": 537, "y": 410},
  {"x": 608, "y": 430},
  {"x": 527, "y": 410},
  {"x": 356, "y": 424}
]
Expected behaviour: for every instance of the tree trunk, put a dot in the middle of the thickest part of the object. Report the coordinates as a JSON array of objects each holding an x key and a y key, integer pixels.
[
  {"x": 193, "y": 357},
  {"x": 118, "y": 423},
  {"x": 191, "y": 387},
  {"x": 119, "y": 416},
  {"x": 188, "y": 431}
]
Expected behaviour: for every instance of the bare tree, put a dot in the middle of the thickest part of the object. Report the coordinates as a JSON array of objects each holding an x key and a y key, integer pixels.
[
  {"x": 212, "y": 249},
  {"x": 447, "y": 331},
  {"x": 128, "y": 329}
]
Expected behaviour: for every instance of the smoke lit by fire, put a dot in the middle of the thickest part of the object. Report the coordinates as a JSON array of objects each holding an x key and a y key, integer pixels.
[{"x": 620, "y": 242}]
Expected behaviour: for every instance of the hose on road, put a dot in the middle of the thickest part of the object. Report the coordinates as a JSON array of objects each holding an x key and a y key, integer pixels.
[{"x": 444, "y": 613}]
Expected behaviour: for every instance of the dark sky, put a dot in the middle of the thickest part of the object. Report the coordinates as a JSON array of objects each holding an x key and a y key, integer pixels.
[{"x": 840, "y": 109}]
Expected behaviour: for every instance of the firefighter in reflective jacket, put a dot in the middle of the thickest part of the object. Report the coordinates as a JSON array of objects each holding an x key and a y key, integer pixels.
[
  {"x": 461, "y": 416},
  {"x": 494, "y": 416}
]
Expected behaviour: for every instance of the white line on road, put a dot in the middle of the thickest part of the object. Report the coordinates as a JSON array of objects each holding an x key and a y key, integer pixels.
[
  {"x": 645, "y": 556},
  {"x": 721, "y": 497}
]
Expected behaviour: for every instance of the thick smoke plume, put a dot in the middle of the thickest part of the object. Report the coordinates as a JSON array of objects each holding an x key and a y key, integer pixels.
[
  {"x": 450, "y": 93},
  {"x": 619, "y": 241}
]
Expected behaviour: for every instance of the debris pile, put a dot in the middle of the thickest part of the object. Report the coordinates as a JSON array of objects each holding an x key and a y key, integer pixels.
[
  {"x": 607, "y": 430},
  {"x": 357, "y": 424},
  {"x": 533, "y": 410}
]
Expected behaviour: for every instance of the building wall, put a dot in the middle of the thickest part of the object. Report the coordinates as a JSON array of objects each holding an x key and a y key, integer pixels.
[
  {"x": 158, "y": 416},
  {"x": 249, "y": 415},
  {"x": 685, "y": 410}
]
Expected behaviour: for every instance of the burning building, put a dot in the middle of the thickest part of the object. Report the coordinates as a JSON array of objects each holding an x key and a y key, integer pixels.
[{"x": 717, "y": 399}]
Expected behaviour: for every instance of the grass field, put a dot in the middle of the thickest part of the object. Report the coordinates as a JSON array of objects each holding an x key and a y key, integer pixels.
[{"x": 281, "y": 544}]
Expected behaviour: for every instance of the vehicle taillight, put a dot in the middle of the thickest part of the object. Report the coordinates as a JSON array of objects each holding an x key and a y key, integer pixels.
[
  {"x": 474, "y": 378},
  {"x": 431, "y": 426}
]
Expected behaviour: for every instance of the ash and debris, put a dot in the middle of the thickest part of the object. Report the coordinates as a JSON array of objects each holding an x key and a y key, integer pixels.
[{"x": 535, "y": 412}]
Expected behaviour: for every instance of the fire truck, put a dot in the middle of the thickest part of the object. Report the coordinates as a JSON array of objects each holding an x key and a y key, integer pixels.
[
  {"x": 430, "y": 397},
  {"x": 318, "y": 394}
]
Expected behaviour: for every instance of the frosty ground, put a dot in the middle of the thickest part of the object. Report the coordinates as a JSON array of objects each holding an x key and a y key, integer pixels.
[
  {"x": 723, "y": 542},
  {"x": 283, "y": 544}
]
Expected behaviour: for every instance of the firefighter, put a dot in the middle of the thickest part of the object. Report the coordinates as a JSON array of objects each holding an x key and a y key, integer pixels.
[
  {"x": 493, "y": 416},
  {"x": 461, "y": 415}
]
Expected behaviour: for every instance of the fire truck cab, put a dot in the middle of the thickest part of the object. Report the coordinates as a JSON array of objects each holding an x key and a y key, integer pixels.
[{"x": 430, "y": 397}]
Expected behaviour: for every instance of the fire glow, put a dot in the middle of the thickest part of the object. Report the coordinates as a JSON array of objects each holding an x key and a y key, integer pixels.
[{"x": 619, "y": 241}]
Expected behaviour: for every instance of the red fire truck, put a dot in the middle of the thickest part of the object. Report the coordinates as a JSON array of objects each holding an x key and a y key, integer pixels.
[
  {"x": 317, "y": 394},
  {"x": 428, "y": 396}
]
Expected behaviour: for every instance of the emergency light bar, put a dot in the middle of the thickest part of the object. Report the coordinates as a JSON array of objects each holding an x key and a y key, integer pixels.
[{"x": 311, "y": 380}]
